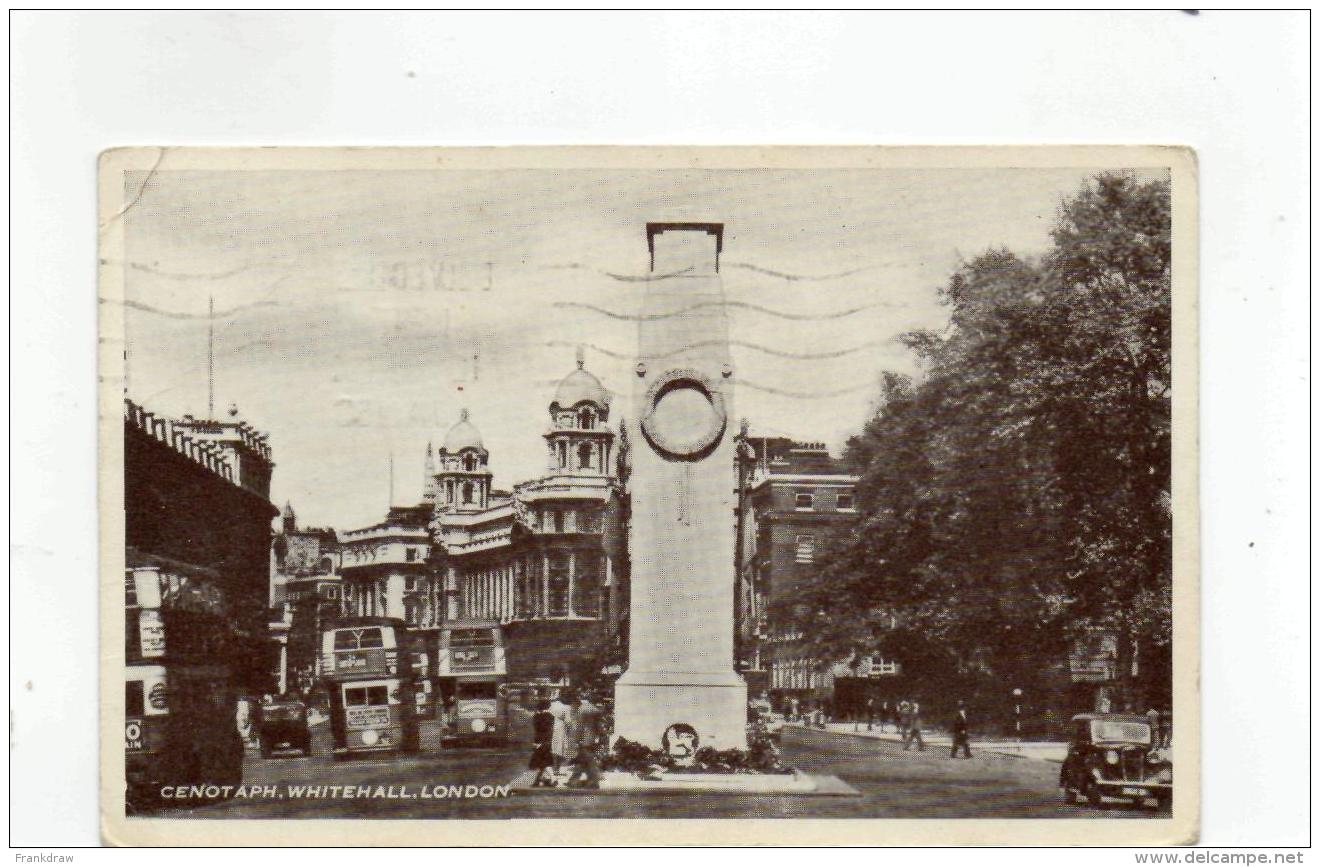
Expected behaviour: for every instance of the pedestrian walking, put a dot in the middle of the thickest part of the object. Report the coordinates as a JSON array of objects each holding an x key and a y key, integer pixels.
[
  {"x": 793, "y": 709},
  {"x": 1153, "y": 720},
  {"x": 561, "y": 714},
  {"x": 586, "y": 733},
  {"x": 914, "y": 729},
  {"x": 243, "y": 719},
  {"x": 904, "y": 719},
  {"x": 543, "y": 731},
  {"x": 960, "y": 738}
]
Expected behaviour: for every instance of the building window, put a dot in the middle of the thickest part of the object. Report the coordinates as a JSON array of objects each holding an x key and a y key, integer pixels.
[
  {"x": 806, "y": 549},
  {"x": 882, "y": 667},
  {"x": 332, "y": 593},
  {"x": 586, "y": 419},
  {"x": 559, "y": 521},
  {"x": 410, "y": 555},
  {"x": 584, "y": 456},
  {"x": 470, "y": 463},
  {"x": 589, "y": 521},
  {"x": 559, "y": 584},
  {"x": 130, "y": 591},
  {"x": 561, "y": 449},
  {"x": 588, "y": 578},
  {"x": 467, "y": 492},
  {"x": 804, "y": 501},
  {"x": 845, "y": 502}
]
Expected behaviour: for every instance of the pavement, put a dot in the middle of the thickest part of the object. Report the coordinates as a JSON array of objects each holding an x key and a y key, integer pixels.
[
  {"x": 1047, "y": 751},
  {"x": 474, "y": 783}
]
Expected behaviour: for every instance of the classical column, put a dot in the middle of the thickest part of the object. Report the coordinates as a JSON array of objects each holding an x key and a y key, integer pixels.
[
  {"x": 545, "y": 583},
  {"x": 572, "y": 580}
]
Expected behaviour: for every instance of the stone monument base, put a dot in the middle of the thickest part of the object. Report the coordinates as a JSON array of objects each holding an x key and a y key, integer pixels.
[
  {"x": 623, "y": 783},
  {"x": 646, "y": 704}
]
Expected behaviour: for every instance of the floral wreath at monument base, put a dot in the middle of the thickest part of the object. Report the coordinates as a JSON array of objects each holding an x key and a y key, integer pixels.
[{"x": 761, "y": 757}]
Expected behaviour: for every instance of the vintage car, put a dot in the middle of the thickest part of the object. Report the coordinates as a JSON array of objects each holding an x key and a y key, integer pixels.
[
  {"x": 284, "y": 727},
  {"x": 1115, "y": 756}
]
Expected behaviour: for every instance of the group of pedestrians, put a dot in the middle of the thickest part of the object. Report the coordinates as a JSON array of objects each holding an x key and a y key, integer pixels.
[
  {"x": 566, "y": 730},
  {"x": 907, "y": 721}
]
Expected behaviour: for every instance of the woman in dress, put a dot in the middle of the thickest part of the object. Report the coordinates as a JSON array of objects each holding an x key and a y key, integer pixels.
[
  {"x": 561, "y": 713},
  {"x": 543, "y": 726}
]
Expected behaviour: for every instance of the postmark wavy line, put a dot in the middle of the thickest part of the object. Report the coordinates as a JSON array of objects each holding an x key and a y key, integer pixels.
[
  {"x": 768, "y": 350},
  {"x": 744, "y": 305},
  {"x": 179, "y": 314},
  {"x": 806, "y": 395},
  {"x": 769, "y": 272}
]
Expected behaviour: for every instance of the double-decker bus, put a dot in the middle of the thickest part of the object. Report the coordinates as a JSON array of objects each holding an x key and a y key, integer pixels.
[
  {"x": 179, "y": 697},
  {"x": 368, "y": 672},
  {"x": 473, "y": 677}
]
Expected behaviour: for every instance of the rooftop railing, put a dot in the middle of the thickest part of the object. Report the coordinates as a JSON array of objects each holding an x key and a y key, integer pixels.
[{"x": 163, "y": 431}]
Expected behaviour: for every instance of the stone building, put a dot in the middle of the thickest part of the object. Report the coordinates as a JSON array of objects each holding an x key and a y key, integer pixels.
[
  {"x": 547, "y": 560},
  {"x": 305, "y": 589},
  {"x": 795, "y": 501},
  {"x": 197, "y": 516}
]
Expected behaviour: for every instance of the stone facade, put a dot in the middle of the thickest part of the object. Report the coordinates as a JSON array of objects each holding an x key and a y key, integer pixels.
[
  {"x": 796, "y": 502},
  {"x": 547, "y": 560}
]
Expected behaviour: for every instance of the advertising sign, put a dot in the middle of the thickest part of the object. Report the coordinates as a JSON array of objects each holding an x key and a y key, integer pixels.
[
  {"x": 469, "y": 658},
  {"x": 133, "y": 735},
  {"x": 358, "y": 660},
  {"x": 367, "y": 717},
  {"x": 151, "y": 633}
]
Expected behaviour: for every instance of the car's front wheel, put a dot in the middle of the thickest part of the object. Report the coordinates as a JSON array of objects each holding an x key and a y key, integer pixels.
[{"x": 1093, "y": 796}]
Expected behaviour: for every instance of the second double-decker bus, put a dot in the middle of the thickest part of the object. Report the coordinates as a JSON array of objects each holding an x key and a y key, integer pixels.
[
  {"x": 369, "y": 676},
  {"x": 179, "y": 696},
  {"x": 472, "y": 675}
]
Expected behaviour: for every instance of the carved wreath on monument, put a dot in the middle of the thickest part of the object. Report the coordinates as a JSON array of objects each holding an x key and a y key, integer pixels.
[{"x": 685, "y": 416}]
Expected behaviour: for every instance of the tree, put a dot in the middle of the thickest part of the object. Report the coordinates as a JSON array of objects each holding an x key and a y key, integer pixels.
[{"x": 1016, "y": 496}]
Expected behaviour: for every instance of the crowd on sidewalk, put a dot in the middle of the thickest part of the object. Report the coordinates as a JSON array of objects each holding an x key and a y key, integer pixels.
[{"x": 567, "y": 732}]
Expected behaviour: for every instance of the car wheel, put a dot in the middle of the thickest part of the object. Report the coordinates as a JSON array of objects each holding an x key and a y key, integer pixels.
[
  {"x": 1164, "y": 802},
  {"x": 1069, "y": 795},
  {"x": 1092, "y": 792}
]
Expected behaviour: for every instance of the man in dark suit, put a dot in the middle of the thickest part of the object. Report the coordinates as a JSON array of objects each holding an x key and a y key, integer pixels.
[
  {"x": 959, "y": 728},
  {"x": 587, "y": 734}
]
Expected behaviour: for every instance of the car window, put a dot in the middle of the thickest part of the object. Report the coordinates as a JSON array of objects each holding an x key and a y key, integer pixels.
[{"x": 1117, "y": 730}]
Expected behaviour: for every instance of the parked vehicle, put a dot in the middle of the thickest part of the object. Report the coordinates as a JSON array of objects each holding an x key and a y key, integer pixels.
[
  {"x": 1115, "y": 756},
  {"x": 284, "y": 727}
]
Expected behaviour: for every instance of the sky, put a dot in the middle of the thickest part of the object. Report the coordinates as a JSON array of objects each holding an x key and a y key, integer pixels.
[{"x": 357, "y": 312}]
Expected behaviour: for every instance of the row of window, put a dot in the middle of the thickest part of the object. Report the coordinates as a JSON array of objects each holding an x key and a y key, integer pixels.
[
  {"x": 807, "y": 502},
  {"x": 586, "y": 456},
  {"x": 570, "y": 521}
]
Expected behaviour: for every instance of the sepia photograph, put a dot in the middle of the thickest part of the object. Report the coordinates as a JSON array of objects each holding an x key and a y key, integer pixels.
[{"x": 677, "y": 485}]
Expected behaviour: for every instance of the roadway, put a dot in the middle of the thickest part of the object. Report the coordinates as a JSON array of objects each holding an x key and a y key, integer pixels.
[{"x": 447, "y": 783}]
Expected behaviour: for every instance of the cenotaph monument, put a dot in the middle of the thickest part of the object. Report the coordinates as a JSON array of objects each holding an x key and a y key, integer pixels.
[{"x": 680, "y": 676}]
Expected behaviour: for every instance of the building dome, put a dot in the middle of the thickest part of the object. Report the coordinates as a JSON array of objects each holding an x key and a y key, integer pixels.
[
  {"x": 463, "y": 435},
  {"x": 579, "y": 386}
]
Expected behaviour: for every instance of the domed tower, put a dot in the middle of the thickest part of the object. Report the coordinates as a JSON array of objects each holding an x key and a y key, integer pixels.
[
  {"x": 579, "y": 440},
  {"x": 462, "y": 475}
]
